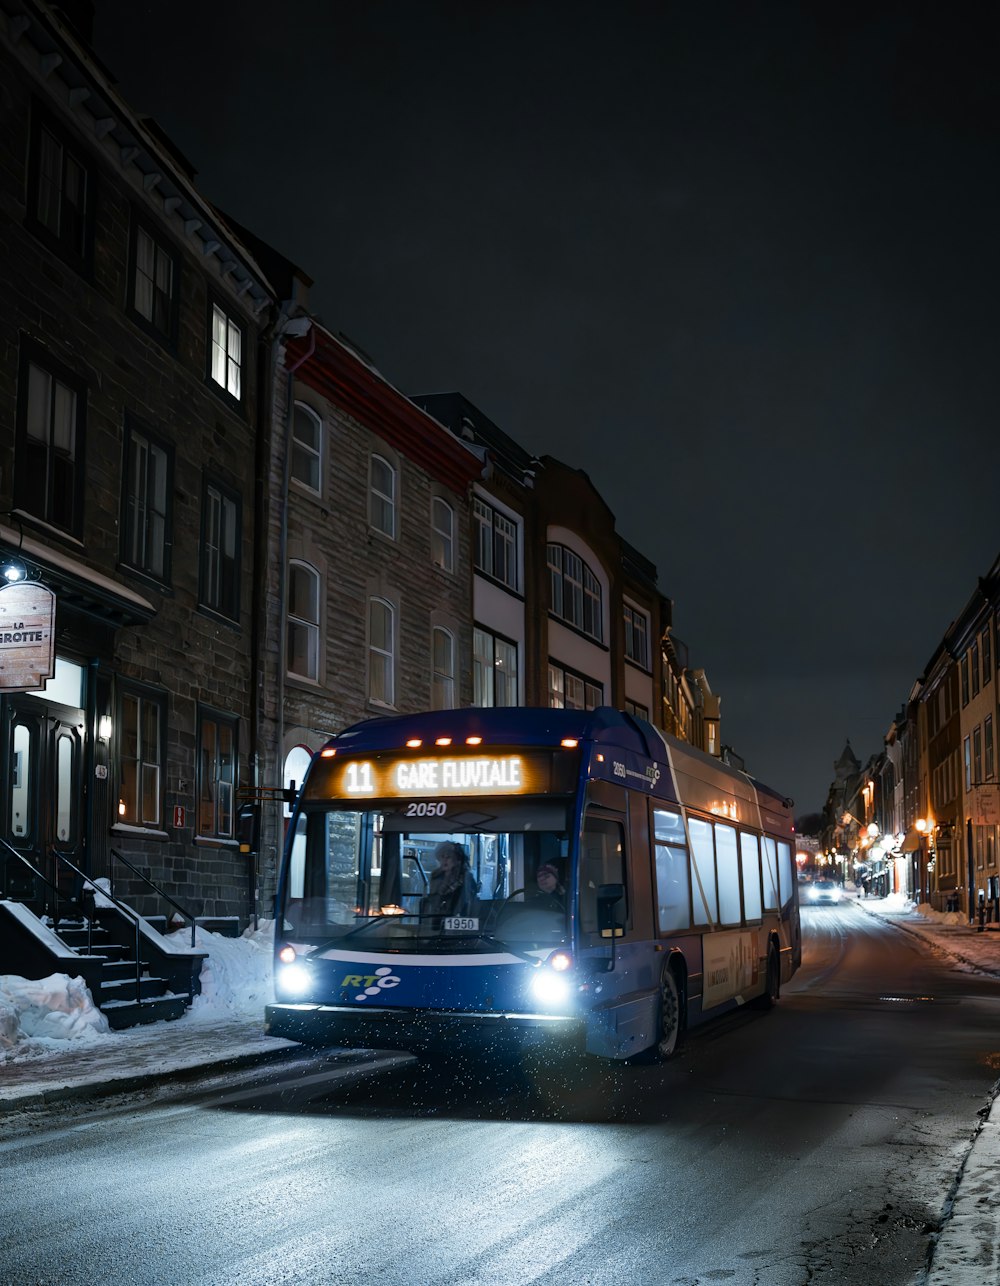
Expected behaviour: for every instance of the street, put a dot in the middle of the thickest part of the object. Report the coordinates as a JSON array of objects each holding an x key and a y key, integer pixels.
[{"x": 818, "y": 1143}]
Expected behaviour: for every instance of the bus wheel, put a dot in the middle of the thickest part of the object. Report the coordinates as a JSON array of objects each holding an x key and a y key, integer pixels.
[
  {"x": 670, "y": 1016},
  {"x": 772, "y": 986}
]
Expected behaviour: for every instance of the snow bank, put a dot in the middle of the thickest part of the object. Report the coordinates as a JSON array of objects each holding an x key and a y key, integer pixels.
[
  {"x": 39, "y": 1016},
  {"x": 46, "y": 1011},
  {"x": 236, "y": 976}
]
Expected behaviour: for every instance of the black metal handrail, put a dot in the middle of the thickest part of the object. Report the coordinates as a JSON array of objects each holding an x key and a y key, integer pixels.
[
  {"x": 127, "y": 911},
  {"x": 44, "y": 879},
  {"x": 153, "y": 885}
]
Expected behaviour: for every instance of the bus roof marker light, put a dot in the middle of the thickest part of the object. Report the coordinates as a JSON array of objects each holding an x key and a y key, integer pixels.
[
  {"x": 442, "y": 741},
  {"x": 473, "y": 741},
  {"x": 328, "y": 753},
  {"x": 414, "y": 742},
  {"x": 569, "y": 743}
]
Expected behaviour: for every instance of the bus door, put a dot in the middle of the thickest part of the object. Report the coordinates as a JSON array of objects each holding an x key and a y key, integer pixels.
[{"x": 624, "y": 1018}]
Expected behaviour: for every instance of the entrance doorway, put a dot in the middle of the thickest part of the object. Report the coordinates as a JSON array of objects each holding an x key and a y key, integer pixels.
[{"x": 41, "y": 810}]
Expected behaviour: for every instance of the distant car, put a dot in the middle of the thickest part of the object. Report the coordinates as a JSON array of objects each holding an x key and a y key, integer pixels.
[{"x": 823, "y": 891}]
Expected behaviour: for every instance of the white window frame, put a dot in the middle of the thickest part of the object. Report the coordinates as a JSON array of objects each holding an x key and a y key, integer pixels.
[
  {"x": 307, "y": 453},
  {"x": 226, "y": 344},
  {"x": 485, "y": 666},
  {"x": 382, "y": 659},
  {"x": 636, "y": 631},
  {"x": 442, "y": 534},
  {"x": 442, "y": 669},
  {"x": 306, "y": 626},
  {"x": 380, "y": 500}
]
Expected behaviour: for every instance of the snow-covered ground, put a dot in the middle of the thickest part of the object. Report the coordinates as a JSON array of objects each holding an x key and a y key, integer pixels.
[{"x": 54, "y": 1016}]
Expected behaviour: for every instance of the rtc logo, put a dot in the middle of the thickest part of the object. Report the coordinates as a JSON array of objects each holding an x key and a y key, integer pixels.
[{"x": 374, "y": 983}]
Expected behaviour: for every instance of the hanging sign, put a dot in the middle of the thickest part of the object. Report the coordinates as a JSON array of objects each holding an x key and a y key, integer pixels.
[{"x": 27, "y": 636}]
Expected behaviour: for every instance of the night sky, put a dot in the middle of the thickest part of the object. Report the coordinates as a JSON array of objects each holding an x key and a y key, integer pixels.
[{"x": 738, "y": 262}]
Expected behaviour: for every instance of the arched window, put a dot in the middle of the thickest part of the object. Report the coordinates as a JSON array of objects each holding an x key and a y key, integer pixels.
[
  {"x": 297, "y": 763},
  {"x": 575, "y": 592},
  {"x": 302, "y": 658},
  {"x": 383, "y": 497},
  {"x": 442, "y": 534},
  {"x": 307, "y": 447},
  {"x": 443, "y": 669},
  {"x": 381, "y": 652}
]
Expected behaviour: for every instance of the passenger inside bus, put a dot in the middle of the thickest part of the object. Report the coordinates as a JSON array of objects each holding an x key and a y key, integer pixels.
[
  {"x": 453, "y": 890},
  {"x": 550, "y": 894}
]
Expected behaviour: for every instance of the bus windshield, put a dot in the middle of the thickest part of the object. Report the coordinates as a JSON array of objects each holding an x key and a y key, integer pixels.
[{"x": 429, "y": 876}]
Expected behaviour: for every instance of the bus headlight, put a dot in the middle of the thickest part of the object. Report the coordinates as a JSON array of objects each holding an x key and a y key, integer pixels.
[
  {"x": 551, "y": 983},
  {"x": 550, "y": 988},
  {"x": 294, "y": 980}
]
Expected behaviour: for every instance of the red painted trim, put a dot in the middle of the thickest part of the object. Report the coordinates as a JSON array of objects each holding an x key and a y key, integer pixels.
[{"x": 338, "y": 374}]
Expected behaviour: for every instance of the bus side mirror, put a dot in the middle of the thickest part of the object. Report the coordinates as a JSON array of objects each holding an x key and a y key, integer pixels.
[{"x": 609, "y": 923}]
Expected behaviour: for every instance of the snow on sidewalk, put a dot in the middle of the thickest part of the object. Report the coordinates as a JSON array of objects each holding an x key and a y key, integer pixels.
[{"x": 53, "y": 1037}]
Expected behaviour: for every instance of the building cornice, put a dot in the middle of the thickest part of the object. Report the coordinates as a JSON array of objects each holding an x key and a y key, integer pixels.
[{"x": 65, "y": 72}]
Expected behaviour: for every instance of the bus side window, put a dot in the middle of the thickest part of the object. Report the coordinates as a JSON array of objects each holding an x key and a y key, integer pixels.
[
  {"x": 673, "y": 884},
  {"x": 770, "y": 856},
  {"x": 750, "y": 861},
  {"x": 729, "y": 874},
  {"x": 602, "y": 861},
  {"x": 706, "y": 900},
  {"x": 785, "y": 871}
]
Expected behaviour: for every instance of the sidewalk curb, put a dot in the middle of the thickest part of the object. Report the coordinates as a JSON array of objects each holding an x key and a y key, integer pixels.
[
  {"x": 914, "y": 932},
  {"x": 130, "y": 1084}
]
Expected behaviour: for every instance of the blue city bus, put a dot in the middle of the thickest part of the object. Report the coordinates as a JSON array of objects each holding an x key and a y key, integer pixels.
[{"x": 410, "y": 909}]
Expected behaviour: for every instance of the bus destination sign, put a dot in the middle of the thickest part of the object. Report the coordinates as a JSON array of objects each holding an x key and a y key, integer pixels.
[{"x": 481, "y": 775}]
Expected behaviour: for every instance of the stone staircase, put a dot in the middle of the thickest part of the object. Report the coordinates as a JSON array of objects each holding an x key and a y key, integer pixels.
[
  {"x": 101, "y": 950},
  {"x": 116, "y": 991}
]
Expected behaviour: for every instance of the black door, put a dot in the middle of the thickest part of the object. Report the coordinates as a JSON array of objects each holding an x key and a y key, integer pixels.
[{"x": 42, "y": 805}]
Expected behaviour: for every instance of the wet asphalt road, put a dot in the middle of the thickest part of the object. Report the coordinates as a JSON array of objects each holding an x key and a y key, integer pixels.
[{"x": 815, "y": 1144}]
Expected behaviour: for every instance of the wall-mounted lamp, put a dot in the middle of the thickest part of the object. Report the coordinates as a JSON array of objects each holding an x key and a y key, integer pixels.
[
  {"x": 13, "y": 571},
  {"x": 104, "y": 727}
]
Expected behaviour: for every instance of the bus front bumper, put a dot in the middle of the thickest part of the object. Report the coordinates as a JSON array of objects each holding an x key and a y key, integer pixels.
[{"x": 355, "y": 1028}]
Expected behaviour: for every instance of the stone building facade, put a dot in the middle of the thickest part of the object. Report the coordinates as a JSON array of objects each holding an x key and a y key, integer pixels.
[{"x": 130, "y": 316}]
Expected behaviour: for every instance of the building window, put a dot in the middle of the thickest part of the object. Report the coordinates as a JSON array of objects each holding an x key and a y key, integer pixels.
[
  {"x": 637, "y": 711},
  {"x": 637, "y": 636},
  {"x": 381, "y": 652},
  {"x": 574, "y": 592},
  {"x": 154, "y": 272},
  {"x": 974, "y": 666},
  {"x": 383, "y": 497},
  {"x": 443, "y": 678},
  {"x": 967, "y": 757},
  {"x": 494, "y": 669},
  {"x": 220, "y": 546},
  {"x": 569, "y": 691},
  {"x": 964, "y": 666},
  {"x": 303, "y": 621},
  {"x": 60, "y": 182},
  {"x": 49, "y": 464},
  {"x": 496, "y": 544},
  {"x": 148, "y": 486},
  {"x": 988, "y": 739},
  {"x": 307, "y": 447},
  {"x": 227, "y": 353},
  {"x": 987, "y": 657},
  {"x": 977, "y": 755},
  {"x": 217, "y": 742},
  {"x": 141, "y": 723},
  {"x": 442, "y": 534}
]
